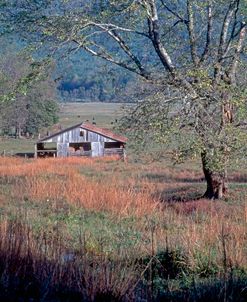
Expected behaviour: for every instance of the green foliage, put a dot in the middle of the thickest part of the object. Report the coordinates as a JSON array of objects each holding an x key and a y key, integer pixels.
[
  {"x": 81, "y": 82},
  {"x": 42, "y": 114},
  {"x": 169, "y": 264},
  {"x": 27, "y": 95},
  {"x": 184, "y": 128}
]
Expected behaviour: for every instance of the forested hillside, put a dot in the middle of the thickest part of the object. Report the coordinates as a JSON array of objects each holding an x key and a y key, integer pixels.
[
  {"x": 78, "y": 81},
  {"x": 78, "y": 76},
  {"x": 73, "y": 77}
]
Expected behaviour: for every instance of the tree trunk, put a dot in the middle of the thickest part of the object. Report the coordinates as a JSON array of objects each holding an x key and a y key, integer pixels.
[
  {"x": 17, "y": 132},
  {"x": 216, "y": 181}
]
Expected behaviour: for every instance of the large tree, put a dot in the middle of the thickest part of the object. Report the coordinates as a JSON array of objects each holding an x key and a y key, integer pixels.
[
  {"x": 192, "y": 51},
  {"x": 27, "y": 95}
]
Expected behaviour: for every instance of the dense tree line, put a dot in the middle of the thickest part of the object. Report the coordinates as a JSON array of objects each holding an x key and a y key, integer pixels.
[
  {"x": 26, "y": 106},
  {"x": 78, "y": 81}
]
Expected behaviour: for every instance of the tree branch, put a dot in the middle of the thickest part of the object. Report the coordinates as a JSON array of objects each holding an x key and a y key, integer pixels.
[
  {"x": 112, "y": 33},
  {"x": 235, "y": 61},
  {"x": 234, "y": 34},
  {"x": 223, "y": 47},
  {"x": 209, "y": 31},
  {"x": 242, "y": 125},
  {"x": 154, "y": 33},
  {"x": 111, "y": 26},
  {"x": 191, "y": 30},
  {"x": 174, "y": 12},
  {"x": 233, "y": 8},
  {"x": 106, "y": 56}
]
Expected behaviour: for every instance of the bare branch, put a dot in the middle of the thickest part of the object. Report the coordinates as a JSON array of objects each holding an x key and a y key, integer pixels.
[
  {"x": 105, "y": 55},
  {"x": 242, "y": 125},
  {"x": 233, "y": 8},
  {"x": 154, "y": 32},
  {"x": 235, "y": 61},
  {"x": 223, "y": 47},
  {"x": 209, "y": 31},
  {"x": 191, "y": 30},
  {"x": 174, "y": 12},
  {"x": 112, "y": 32},
  {"x": 234, "y": 33},
  {"x": 111, "y": 26}
]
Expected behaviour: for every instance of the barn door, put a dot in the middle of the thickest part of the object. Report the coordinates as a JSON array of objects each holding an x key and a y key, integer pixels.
[
  {"x": 62, "y": 149},
  {"x": 97, "y": 149}
]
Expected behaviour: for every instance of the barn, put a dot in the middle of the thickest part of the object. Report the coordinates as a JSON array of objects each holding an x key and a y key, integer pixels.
[{"x": 84, "y": 139}]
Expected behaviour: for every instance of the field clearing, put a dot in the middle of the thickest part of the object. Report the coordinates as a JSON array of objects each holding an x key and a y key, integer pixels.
[
  {"x": 105, "y": 211},
  {"x": 104, "y": 114},
  {"x": 12, "y": 146}
]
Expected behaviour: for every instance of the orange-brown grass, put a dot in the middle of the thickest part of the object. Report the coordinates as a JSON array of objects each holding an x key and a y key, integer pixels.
[
  {"x": 59, "y": 179},
  {"x": 10, "y": 166},
  {"x": 89, "y": 194},
  {"x": 209, "y": 233},
  {"x": 210, "y": 230}
]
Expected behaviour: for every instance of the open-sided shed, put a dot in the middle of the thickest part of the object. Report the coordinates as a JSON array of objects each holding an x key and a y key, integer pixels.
[{"x": 84, "y": 139}]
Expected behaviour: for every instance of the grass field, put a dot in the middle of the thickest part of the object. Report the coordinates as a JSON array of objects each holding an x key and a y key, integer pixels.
[
  {"x": 79, "y": 229},
  {"x": 104, "y": 114},
  {"x": 104, "y": 230}
]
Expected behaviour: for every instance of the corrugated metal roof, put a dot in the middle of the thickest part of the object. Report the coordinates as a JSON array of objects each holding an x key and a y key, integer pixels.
[{"x": 90, "y": 127}]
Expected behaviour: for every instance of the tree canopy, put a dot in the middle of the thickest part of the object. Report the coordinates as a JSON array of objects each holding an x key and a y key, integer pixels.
[{"x": 27, "y": 96}]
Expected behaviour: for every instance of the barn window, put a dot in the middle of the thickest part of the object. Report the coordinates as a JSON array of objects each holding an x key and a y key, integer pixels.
[
  {"x": 82, "y": 132},
  {"x": 46, "y": 149},
  {"x": 50, "y": 146},
  {"x": 80, "y": 146},
  {"x": 112, "y": 145},
  {"x": 86, "y": 146}
]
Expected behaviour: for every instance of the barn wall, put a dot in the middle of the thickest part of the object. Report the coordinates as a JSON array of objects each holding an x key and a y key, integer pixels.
[
  {"x": 97, "y": 149},
  {"x": 94, "y": 137},
  {"x": 62, "y": 149},
  {"x": 73, "y": 136}
]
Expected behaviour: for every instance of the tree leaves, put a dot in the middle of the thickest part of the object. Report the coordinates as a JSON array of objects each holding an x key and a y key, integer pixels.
[{"x": 27, "y": 95}]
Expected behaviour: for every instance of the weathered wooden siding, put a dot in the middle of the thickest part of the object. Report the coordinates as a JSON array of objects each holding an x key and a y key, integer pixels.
[
  {"x": 73, "y": 136},
  {"x": 62, "y": 149},
  {"x": 79, "y": 135},
  {"x": 114, "y": 151},
  {"x": 97, "y": 149}
]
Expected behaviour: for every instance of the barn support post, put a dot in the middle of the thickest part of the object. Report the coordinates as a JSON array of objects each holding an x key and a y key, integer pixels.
[
  {"x": 124, "y": 156},
  {"x": 35, "y": 151}
]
